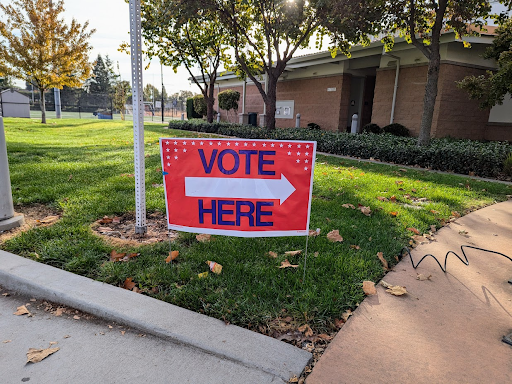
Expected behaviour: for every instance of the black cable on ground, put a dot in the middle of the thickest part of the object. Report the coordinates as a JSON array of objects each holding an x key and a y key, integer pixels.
[{"x": 462, "y": 247}]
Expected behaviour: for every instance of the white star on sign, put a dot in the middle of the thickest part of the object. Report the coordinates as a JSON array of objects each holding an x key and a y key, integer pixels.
[
  {"x": 167, "y": 142},
  {"x": 175, "y": 143},
  {"x": 307, "y": 153},
  {"x": 176, "y": 157},
  {"x": 184, "y": 143},
  {"x": 218, "y": 143},
  {"x": 305, "y": 168},
  {"x": 298, "y": 161},
  {"x": 245, "y": 144},
  {"x": 193, "y": 143},
  {"x": 289, "y": 145},
  {"x": 264, "y": 144},
  {"x": 298, "y": 153},
  {"x": 272, "y": 145},
  {"x": 306, "y": 161},
  {"x": 236, "y": 144},
  {"x": 167, "y": 150},
  {"x": 253, "y": 144},
  {"x": 228, "y": 143},
  {"x": 307, "y": 146},
  {"x": 184, "y": 149},
  {"x": 168, "y": 164},
  {"x": 298, "y": 145},
  {"x": 168, "y": 157},
  {"x": 281, "y": 145},
  {"x": 201, "y": 143},
  {"x": 289, "y": 153},
  {"x": 175, "y": 149},
  {"x": 211, "y": 143}
]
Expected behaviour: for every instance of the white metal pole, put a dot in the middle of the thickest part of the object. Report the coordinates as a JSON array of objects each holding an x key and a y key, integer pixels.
[
  {"x": 138, "y": 117},
  {"x": 56, "y": 96}
]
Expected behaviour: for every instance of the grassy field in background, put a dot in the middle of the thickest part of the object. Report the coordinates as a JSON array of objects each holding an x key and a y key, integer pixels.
[{"x": 79, "y": 167}]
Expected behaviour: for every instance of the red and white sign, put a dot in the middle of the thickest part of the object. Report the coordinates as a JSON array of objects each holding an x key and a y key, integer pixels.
[{"x": 236, "y": 187}]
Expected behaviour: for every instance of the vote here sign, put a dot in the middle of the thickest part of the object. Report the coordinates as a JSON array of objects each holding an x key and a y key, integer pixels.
[{"x": 236, "y": 187}]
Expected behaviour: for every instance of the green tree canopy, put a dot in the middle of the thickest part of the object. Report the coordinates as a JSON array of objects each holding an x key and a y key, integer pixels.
[
  {"x": 422, "y": 22},
  {"x": 179, "y": 35},
  {"x": 491, "y": 89},
  {"x": 36, "y": 45},
  {"x": 103, "y": 76}
]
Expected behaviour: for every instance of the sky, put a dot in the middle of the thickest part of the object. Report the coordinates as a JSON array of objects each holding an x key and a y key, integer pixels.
[{"x": 111, "y": 19}]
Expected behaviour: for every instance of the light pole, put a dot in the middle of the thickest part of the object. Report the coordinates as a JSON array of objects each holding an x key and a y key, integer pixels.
[{"x": 7, "y": 218}]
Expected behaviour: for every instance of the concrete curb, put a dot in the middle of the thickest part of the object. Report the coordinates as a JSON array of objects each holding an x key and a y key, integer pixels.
[{"x": 152, "y": 316}]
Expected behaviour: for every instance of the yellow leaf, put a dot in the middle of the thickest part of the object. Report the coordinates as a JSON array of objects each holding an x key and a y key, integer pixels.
[
  {"x": 202, "y": 275},
  {"x": 396, "y": 290},
  {"x": 369, "y": 288},
  {"x": 293, "y": 253},
  {"x": 334, "y": 236},
  {"x": 422, "y": 277}
]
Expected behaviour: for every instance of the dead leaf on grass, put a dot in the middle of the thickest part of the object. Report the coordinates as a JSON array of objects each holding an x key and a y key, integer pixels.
[
  {"x": 314, "y": 233},
  {"x": 382, "y": 198},
  {"x": 286, "y": 263},
  {"x": 203, "y": 238},
  {"x": 422, "y": 277},
  {"x": 129, "y": 284},
  {"x": 293, "y": 253},
  {"x": 172, "y": 256},
  {"x": 22, "y": 310},
  {"x": 369, "y": 288},
  {"x": 306, "y": 330},
  {"x": 413, "y": 230},
  {"x": 346, "y": 314},
  {"x": 105, "y": 220},
  {"x": 365, "y": 210},
  {"x": 433, "y": 228},
  {"x": 48, "y": 220},
  {"x": 272, "y": 254},
  {"x": 394, "y": 213},
  {"x": 384, "y": 262},
  {"x": 334, "y": 236},
  {"x": 348, "y": 206},
  {"x": 456, "y": 214},
  {"x": 114, "y": 256},
  {"x": 356, "y": 247},
  {"x": 398, "y": 182},
  {"x": 214, "y": 267},
  {"x": 36, "y": 355}
]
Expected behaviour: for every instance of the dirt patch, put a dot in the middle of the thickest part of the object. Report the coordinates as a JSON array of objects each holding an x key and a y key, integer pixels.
[
  {"x": 37, "y": 215},
  {"x": 120, "y": 230}
]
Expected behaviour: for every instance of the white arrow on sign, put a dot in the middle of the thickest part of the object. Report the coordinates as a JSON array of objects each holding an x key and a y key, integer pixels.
[{"x": 222, "y": 187}]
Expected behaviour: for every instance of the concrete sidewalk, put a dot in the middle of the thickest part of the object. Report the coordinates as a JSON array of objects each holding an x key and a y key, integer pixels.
[
  {"x": 447, "y": 329},
  {"x": 227, "y": 350}
]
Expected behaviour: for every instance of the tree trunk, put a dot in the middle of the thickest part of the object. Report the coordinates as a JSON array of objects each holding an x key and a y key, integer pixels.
[
  {"x": 42, "y": 105},
  {"x": 210, "y": 101},
  {"x": 429, "y": 101},
  {"x": 270, "y": 104}
]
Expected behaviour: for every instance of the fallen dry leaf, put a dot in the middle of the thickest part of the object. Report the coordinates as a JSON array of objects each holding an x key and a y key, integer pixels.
[
  {"x": 394, "y": 289},
  {"x": 6, "y": 294},
  {"x": 366, "y": 210},
  {"x": 105, "y": 229},
  {"x": 114, "y": 256},
  {"x": 76, "y": 317},
  {"x": 433, "y": 228},
  {"x": 214, "y": 267},
  {"x": 136, "y": 289},
  {"x": 293, "y": 379},
  {"x": 316, "y": 254},
  {"x": 398, "y": 182},
  {"x": 413, "y": 230},
  {"x": 293, "y": 253},
  {"x": 352, "y": 246},
  {"x": 172, "y": 256},
  {"x": 393, "y": 198},
  {"x": 314, "y": 233},
  {"x": 105, "y": 220},
  {"x": 22, "y": 310},
  {"x": 6, "y": 341},
  {"x": 348, "y": 206},
  {"x": 382, "y": 198},
  {"x": 129, "y": 284},
  {"x": 369, "y": 288},
  {"x": 286, "y": 263},
  {"x": 67, "y": 337},
  {"x": 59, "y": 311},
  {"x": 422, "y": 277},
  {"x": 272, "y": 254},
  {"x": 36, "y": 355},
  {"x": 334, "y": 236},
  {"x": 456, "y": 214},
  {"x": 346, "y": 314},
  {"x": 384, "y": 262},
  {"x": 203, "y": 238},
  {"x": 403, "y": 170},
  {"x": 306, "y": 330},
  {"x": 123, "y": 332},
  {"x": 49, "y": 219}
]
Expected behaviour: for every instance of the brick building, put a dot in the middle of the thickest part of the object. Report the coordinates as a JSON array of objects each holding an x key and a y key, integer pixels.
[{"x": 329, "y": 91}]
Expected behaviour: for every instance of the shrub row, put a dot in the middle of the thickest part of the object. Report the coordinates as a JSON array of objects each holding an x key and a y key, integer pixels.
[{"x": 459, "y": 156}]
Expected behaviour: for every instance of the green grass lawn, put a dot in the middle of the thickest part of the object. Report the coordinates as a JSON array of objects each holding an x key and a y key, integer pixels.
[{"x": 77, "y": 168}]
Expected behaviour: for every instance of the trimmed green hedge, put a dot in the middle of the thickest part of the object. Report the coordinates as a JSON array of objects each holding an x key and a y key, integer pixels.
[{"x": 459, "y": 156}]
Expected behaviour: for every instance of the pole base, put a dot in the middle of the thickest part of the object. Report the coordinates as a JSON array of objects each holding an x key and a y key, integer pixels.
[
  {"x": 13, "y": 222},
  {"x": 141, "y": 230}
]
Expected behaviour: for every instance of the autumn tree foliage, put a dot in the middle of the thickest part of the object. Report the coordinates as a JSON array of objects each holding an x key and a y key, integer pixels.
[
  {"x": 36, "y": 45},
  {"x": 422, "y": 22},
  {"x": 179, "y": 34}
]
